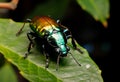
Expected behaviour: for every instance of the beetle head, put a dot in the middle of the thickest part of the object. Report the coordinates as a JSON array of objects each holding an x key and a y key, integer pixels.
[{"x": 62, "y": 50}]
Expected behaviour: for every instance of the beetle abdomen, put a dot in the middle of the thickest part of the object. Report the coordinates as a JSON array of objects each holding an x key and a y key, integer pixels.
[{"x": 43, "y": 25}]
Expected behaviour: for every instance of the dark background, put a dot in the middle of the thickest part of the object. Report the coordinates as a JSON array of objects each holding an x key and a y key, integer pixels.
[{"x": 100, "y": 42}]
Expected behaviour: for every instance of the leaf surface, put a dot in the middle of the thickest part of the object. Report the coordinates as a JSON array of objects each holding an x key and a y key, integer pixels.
[{"x": 33, "y": 68}]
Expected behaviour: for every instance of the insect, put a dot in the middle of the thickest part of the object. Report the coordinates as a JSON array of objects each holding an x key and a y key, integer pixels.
[{"x": 51, "y": 34}]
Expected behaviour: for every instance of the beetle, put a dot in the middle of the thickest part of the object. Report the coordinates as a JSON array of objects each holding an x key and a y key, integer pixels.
[{"x": 52, "y": 34}]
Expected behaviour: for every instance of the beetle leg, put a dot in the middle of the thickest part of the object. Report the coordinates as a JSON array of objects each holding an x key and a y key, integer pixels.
[
  {"x": 58, "y": 21},
  {"x": 47, "y": 56},
  {"x": 27, "y": 20},
  {"x": 31, "y": 44},
  {"x": 47, "y": 61},
  {"x": 58, "y": 59},
  {"x": 66, "y": 31},
  {"x": 68, "y": 35},
  {"x": 75, "y": 46}
]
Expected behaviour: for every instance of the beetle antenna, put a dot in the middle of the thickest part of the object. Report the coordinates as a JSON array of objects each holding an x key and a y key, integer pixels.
[
  {"x": 58, "y": 59},
  {"x": 18, "y": 33},
  {"x": 75, "y": 59}
]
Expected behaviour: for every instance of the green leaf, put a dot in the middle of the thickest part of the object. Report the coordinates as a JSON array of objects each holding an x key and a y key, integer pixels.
[
  {"x": 7, "y": 74},
  {"x": 33, "y": 68},
  {"x": 99, "y": 9}
]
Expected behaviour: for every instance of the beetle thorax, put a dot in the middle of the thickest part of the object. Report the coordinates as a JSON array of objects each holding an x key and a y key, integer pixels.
[{"x": 56, "y": 40}]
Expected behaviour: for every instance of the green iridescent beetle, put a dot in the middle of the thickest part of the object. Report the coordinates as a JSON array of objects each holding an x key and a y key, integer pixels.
[{"x": 50, "y": 34}]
